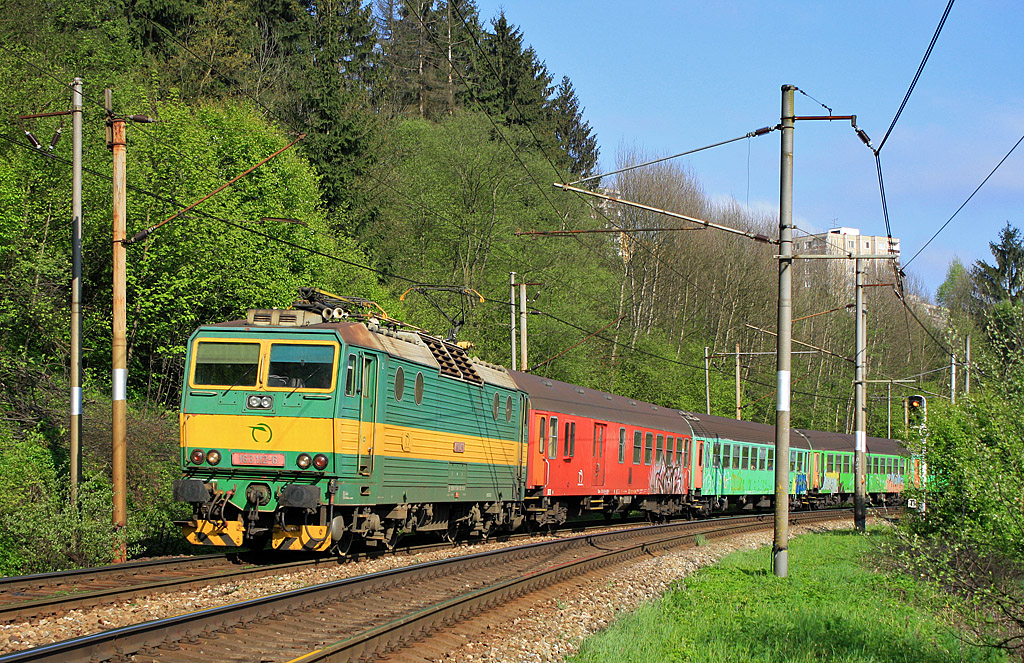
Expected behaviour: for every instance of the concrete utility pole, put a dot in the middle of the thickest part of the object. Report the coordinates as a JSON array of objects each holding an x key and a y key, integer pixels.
[
  {"x": 739, "y": 406},
  {"x": 76, "y": 288},
  {"x": 707, "y": 377},
  {"x": 860, "y": 408},
  {"x": 120, "y": 359},
  {"x": 512, "y": 308},
  {"x": 780, "y": 546},
  {"x": 952, "y": 378},
  {"x": 524, "y": 357},
  {"x": 967, "y": 367}
]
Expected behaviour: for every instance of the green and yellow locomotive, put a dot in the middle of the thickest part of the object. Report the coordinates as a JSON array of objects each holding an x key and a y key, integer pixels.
[{"x": 328, "y": 423}]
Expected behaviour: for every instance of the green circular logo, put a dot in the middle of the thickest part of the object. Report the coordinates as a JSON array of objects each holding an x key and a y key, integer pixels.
[{"x": 261, "y": 433}]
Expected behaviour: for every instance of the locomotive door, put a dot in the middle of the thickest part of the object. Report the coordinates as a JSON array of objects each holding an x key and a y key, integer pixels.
[
  {"x": 367, "y": 412},
  {"x": 598, "y": 456}
]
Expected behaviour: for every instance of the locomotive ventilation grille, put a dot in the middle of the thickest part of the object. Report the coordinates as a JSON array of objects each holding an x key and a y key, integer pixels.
[{"x": 452, "y": 359}]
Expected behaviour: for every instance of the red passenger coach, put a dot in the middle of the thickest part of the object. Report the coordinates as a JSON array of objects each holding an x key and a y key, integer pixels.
[{"x": 594, "y": 451}]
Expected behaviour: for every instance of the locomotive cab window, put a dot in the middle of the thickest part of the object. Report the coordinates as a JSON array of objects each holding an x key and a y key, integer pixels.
[{"x": 226, "y": 364}]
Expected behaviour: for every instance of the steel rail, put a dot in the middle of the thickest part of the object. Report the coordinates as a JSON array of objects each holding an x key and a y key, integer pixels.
[{"x": 147, "y": 637}]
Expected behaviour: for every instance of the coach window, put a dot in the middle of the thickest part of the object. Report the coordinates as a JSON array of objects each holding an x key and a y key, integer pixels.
[
  {"x": 682, "y": 453},
  {"x": 419, "y": 388},
  {"x": 846, "y": 463},
  {"x": 745, "y": 458},
  {"x": 828, "y": 462},
  {"x": 636, "y": 447},
  {"x": 399, "y": 383},
  {"x": 771, "y": 460},
  {"x": 726, "y": 456},
  {"x": 762, "y": 455},
  {"x": 570, "y": 439},
  {"x": 736, "y": 457},
  {"x": 648, "y": 448},
  {"x": 659, "y": 455},
  {"x": 350, "y": 376},
  {"x": 716, "y": 456},
  {"x": 553, "y": 441},
  {"x": 542, "y": 438},
  {"x": 622, "y": 445},
  {"x": 669, "y": 455},
  {"x": 792, "y": 461}
]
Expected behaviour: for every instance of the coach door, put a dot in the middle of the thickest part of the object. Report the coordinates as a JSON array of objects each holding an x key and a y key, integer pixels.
[
  {"x": 367, "y": 412},
  {"x": 598, "y": 457}
]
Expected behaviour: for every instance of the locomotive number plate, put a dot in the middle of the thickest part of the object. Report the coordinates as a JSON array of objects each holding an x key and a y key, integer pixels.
[{"x": 272, "y": 460}]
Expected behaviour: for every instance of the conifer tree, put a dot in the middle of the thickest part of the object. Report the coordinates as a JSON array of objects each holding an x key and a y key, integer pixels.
[{"x": 572, "y": 132}]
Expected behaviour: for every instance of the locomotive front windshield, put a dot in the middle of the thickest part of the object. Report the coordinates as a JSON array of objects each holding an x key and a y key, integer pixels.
[
  {"x": 220, "y": 364},
  {"x": 301, "y": 366}
]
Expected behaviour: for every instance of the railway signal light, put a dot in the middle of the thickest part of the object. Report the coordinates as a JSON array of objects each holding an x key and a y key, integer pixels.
[{"x": 917, "y": 410}]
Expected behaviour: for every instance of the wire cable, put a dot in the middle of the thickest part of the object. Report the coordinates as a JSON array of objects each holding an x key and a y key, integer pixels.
[
  {"x": 920, "y": 68},
  {"x": 978, "y": 188}
]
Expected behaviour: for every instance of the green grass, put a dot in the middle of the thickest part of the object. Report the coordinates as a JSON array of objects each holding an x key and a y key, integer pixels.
[{"x": 836, "y": 606}]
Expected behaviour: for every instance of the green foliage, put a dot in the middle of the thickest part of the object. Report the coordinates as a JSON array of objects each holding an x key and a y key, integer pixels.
[
  {"x": 832, "y": 607},
  {"x": 1003, "y": 281},
  {"x": 39, "y": 530}
]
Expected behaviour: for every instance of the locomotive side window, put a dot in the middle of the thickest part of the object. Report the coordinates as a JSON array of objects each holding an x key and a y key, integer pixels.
[
  {"x": 224, "y": 364},
  {"x": 419, "y": 388},
  {"x": 553, "y": 441},
  {"x": 636, "y": 447},
  {"x": 508, "y": 409},
  {"x": 350, "y": 376},
  {"x": 542, "y": 438},
  {"x": 399, "y": 383},
  {"x": 497, "y": 405},
  {"x": 622, "y": 445},
  {"x": 660, "y": 449},
  {"x": 648, "y": 448},
  {"x": 570, "y": 439}
]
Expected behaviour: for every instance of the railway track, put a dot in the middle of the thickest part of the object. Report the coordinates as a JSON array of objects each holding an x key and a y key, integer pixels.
[
  {"x": 361, "y": 617},
  {"x": 24, "y": 598}
]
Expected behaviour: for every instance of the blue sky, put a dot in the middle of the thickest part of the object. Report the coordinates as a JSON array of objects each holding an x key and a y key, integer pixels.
[{"x": 671, "y": 76}]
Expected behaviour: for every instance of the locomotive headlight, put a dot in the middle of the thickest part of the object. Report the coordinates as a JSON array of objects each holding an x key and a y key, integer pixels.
[
  {"x": 303, "y": 461},
  {"x": 266, "y": 402},
  {"x": 197, "y": 457},
  {"x": 253, "y": 401},
  {"x": 319, "y": 461},
  {"x": 212, "y": 456}
]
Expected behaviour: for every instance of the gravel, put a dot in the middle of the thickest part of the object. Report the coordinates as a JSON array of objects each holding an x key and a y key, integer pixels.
[{"x": 547, "y": 631}]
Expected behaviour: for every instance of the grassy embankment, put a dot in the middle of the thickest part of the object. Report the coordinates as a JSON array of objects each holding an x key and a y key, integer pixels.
[{"x": 839, "y": 604}]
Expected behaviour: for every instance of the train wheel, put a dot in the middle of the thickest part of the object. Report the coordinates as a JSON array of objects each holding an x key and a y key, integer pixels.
[{"x": 343, "y": 546}]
